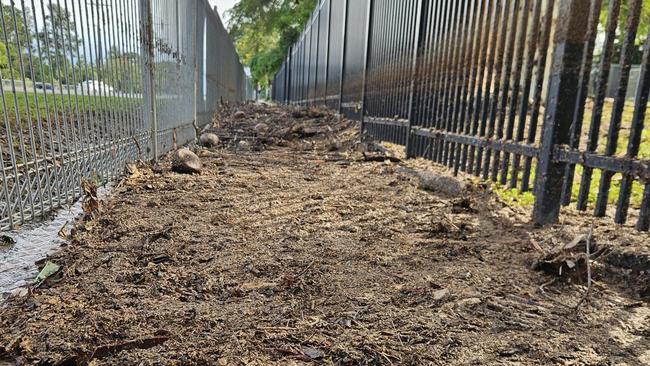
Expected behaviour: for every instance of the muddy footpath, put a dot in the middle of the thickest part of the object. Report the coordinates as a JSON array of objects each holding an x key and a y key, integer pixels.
[{"x": 298, "y": 242}]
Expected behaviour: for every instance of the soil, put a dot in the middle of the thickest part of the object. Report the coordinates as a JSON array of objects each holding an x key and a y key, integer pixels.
[{"x": 304, "y": 246}]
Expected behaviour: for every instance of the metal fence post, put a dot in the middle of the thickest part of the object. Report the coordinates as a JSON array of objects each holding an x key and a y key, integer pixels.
[
  {"x": 327, "y": 51},
  {"x": 562, "y": 97},
  {"x": 146, "y": 45},
  {"x": 366, "y": 58},
  {"x": 420, "y": 29},
  {"x": 343, "y": 46},
  {"x": 287, "y": 91},
  {"x": 196, "y": 63}
]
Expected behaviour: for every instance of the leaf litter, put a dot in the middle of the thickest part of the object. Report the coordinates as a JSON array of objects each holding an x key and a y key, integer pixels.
[{"x": 295, "y": 248}]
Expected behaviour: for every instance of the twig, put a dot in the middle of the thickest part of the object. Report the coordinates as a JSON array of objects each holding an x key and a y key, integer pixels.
[
  {"x": 588, "y": 250},
  {"x": 541, "y": 289},
  {"x": 451, "y": 222}
]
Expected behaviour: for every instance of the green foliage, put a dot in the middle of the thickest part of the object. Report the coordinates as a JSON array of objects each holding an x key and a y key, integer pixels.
[
  {"x": 264, "y": 30},
  {"x": 14, "y": 36},
  {"x": 123, "y": 72},
  {"x": 642, "y": 31},
  {"x": 60, "y": 42}
]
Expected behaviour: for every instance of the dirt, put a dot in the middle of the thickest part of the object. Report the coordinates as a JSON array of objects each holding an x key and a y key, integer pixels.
[{"x": 301, "y": 246}]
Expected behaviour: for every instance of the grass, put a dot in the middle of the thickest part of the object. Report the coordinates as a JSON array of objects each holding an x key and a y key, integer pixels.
[
  {"x": 514, "y": 196},
  {"x": 46, "y": 104}
]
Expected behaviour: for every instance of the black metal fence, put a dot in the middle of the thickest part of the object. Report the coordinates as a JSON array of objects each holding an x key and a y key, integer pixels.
[{"x": 495, "y": 88}]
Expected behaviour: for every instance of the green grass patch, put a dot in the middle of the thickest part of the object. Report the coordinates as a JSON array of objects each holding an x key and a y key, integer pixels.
[
  {"x": 515, "y": 196},
  {"x": 32, "y": 105}
]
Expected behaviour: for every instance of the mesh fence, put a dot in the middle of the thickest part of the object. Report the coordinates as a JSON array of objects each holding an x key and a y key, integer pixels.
[{"x": 88, "y": 85}]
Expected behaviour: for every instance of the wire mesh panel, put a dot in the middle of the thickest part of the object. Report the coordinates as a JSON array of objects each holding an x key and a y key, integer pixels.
[
  {"x": 85, "y": 85},
  {"x": 173, "y": 31}
]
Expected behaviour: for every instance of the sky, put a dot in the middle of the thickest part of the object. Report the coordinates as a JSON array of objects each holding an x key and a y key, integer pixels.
[{"x": 222, "y": 6}]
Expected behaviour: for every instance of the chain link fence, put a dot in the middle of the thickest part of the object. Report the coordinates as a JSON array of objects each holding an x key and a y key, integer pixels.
[{"x": 88, "y": 85}]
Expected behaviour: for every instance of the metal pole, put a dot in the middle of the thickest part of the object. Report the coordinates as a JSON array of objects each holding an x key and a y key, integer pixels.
[
  {"x": 420, "y": 29},
  {"x": 196, "y": 71},
  {"x": 343, "y": 44},
  {"x": 146, "y": 45},
  {"x": 562, "y": 96},
  {"x": 366, "y": 59},
  {"x": 327, "y": 50}
]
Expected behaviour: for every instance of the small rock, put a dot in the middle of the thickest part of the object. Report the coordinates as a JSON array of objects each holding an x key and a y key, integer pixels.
[
  {"x": 239, "y": 115},
  {"x": 440, "y": 294},
  {"x": 209, "y": 140},
  {"x": 243, "y": 145},
  {"x": 7, "y": 241},
  {"x": 186, "y": 162},
  {"x": 19, "y": 292},
  {"x": 440, "y": 183},
  {"x": 472, "y": 301},
  {"x": 312, "y": 353},
  {"x": 262, "y": 128}
]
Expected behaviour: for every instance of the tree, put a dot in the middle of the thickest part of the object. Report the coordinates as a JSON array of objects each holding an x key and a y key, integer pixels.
[
  {"x": 264, "y": 30},
  {"x": 122, "y": 71},
  {"x": 60, "y": 42},
  {"x": 642, "y": 30},
  {"x": 14, "y": 37}
]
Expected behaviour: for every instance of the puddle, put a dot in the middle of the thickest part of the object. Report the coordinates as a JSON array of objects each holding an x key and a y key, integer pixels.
[{"x": 34, "y": 242}]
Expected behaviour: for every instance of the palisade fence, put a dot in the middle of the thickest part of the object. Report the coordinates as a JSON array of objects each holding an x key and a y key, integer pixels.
[
  {"x": 88, "y": 85},
  {"x": 514, "y": 91}
]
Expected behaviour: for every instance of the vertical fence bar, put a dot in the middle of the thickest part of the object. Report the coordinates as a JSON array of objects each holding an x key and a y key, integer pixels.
[
  {"x": 367, "y": 50},
  {"x": 585, "y": 77},
  {"x": 599, "y": 98},
  {"x": 633, "y": 17},
  {"x": 343, "y": 51},
  {"x": 418, "y": 45},
  {"x": 147, "y": 48},
  {"x": 537, "y": 95},
  {"x": 634, "y": 142},
  {"x": 569, "y": 46}
]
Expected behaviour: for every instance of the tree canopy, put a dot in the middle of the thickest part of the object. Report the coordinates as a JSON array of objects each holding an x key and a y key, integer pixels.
[{"x": 264, "y": 30}]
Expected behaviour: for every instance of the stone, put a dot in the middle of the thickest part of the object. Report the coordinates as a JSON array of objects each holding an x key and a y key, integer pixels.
[
  {"x": 186, "y": 162},
  {"x": 209, "y": 140},
  {"x": 440, "y": 183},
  {"x": 440, "y": 294},
  {"x": 262, "y": 128}
]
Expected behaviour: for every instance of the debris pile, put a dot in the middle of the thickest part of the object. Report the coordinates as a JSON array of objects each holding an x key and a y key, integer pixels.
[
  {"x": 299, "y": 244},
  {"x": 262, "y": 126}
]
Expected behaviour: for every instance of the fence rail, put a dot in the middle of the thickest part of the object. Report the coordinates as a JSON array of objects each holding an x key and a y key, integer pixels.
[
  {"x": 88, "y": 85},
  {"x": 513, "y": 91}
]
